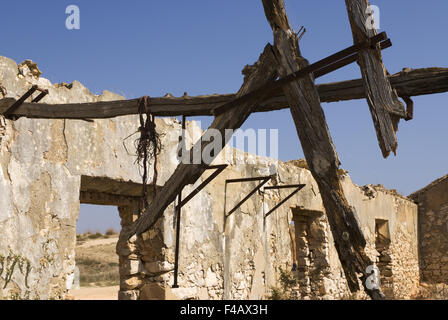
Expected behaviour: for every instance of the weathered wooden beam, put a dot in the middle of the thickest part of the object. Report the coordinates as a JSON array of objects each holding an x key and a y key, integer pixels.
[
  {"x": 383, "y": 101},
  {"x": 167, "y": 106},
  {"x": 264, "y": 71},
  {"x": 319, "y": 150},
  {"x": 407, "y": 83}
]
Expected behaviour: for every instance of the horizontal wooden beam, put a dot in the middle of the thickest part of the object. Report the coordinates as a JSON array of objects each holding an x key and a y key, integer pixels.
[{"x": 407, "y": 83}]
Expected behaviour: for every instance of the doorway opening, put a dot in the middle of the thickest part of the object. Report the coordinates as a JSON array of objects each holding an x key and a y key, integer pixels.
[
  {"x": 97, "y": 271},
  {"x": 95, "y": 254}
]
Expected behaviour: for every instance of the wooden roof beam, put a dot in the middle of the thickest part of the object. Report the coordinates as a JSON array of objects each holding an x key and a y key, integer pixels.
[{"x": 407, "y": 83}]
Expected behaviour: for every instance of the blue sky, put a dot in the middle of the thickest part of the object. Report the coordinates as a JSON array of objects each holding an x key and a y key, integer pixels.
[{"x": 151, "y": 47}]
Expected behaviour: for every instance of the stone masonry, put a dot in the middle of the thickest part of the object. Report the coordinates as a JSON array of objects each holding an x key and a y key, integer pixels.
[{"x": 433, "y": 231}]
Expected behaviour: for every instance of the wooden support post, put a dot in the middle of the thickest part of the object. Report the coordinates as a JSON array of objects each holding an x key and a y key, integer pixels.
[
  {"x": 263, "y": 72},
  {"x": 384, "y": 105},
  {"x": 319, "y": 150}
]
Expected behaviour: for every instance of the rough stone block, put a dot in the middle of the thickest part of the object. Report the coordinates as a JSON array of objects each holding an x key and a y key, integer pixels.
[
  {"x": 128, "y": 295},
  {"x": 131, "y": 283},
  {"x": 153, "y": 291},
  {"x": 159, "y": 267},
  {"x": 131, "y": 267}
]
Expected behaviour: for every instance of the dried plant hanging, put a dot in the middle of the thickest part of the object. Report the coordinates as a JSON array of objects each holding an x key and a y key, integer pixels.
[{"x": 148, "y": 146}]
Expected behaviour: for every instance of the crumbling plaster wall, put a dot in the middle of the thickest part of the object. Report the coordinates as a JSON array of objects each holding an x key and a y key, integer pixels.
[{"x": 42, "y": 164}]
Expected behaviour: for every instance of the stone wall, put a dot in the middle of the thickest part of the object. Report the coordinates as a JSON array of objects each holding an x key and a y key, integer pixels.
[
  {"x": 49, "y": 167},
  {"x": 433, "y": 230},
  {"x": 375, "y": 205}
]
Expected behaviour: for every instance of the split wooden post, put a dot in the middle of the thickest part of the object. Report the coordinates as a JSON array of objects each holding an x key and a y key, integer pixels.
[
  {"x": 383, "y": 101},
  {"x": 263, "y": 72},
  {"x": 319, "y": 150}
]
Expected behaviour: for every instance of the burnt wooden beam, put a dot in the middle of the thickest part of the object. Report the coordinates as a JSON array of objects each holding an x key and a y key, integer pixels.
[
  {"x": 407, "y": 83},
  {"x": 319, "y": 150},
  {"x": 263, "y": 72},
  {"x": 385, "y": 107}
]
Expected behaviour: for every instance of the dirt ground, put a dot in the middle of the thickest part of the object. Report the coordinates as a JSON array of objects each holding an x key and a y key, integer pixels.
[
  {"x": 98, "y": 242},
  {"x": 92, "y": 293},
  {"x": 98, "y": 268}
]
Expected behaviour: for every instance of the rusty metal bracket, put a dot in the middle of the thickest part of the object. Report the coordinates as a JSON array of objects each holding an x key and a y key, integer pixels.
[
  {"x": 181, "y": 145},
  {"x": 297, "y": 187},
  {"x": 178, "y": 211},
  {"x": 218, "y": 169},
  {"x": 346, "y": 61},
  {"x": 9, "y": 113},
  {"x": 263, "y": 180},
  {"x": 42, "y": 95},
  {"x": 409, "y": 108}
]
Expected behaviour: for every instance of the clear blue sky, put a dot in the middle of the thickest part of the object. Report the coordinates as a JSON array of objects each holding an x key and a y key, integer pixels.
[{"x": 153, "y": 47}]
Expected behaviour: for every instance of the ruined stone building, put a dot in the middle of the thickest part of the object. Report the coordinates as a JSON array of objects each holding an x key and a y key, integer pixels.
[{"x": 50, "y": 167}]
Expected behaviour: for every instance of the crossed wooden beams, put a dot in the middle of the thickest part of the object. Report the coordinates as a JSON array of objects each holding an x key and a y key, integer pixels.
[
  {"x": 284, "y": 60},
  {"x": 296, "y": 90},
  {"x": 319, "y": 150}
]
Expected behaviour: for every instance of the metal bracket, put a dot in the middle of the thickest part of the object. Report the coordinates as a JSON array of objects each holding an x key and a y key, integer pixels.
[
  {"x": 8, "y": 113},
  {"x": 218, "y": 169},
  {"x": 409, "y": 108},
  {"x": 263, "y": 180},
  {"x": 318, "y": 69},
  {"x": 298, "y": 188},
  {"x": 349, "y": 59},
  {"x": 178, "y": 210}
]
